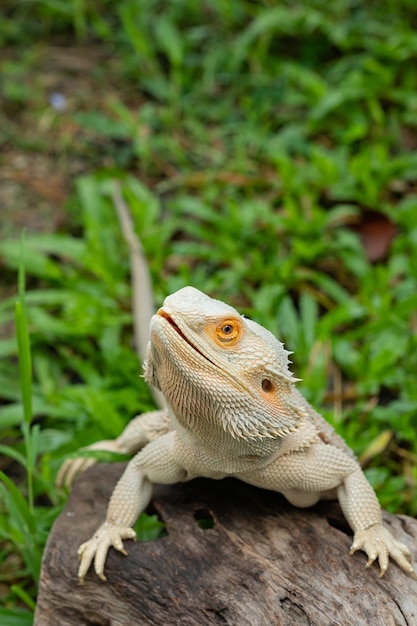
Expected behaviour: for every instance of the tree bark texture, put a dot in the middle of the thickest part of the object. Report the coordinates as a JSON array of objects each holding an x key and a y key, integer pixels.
[{"x": 262, "y": 562}]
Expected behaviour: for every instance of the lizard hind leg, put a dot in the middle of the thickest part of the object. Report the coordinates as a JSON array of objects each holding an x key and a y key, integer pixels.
[
  {"x": 139, "y": 431},
  {"x": 300, "y": 498}
]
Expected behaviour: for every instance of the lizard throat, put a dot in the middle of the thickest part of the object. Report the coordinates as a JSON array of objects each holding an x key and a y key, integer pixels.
[{"x": 178, "y": 330}]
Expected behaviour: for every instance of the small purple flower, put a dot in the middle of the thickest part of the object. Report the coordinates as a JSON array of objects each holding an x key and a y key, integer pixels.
[{"x": 58, "y": 101}]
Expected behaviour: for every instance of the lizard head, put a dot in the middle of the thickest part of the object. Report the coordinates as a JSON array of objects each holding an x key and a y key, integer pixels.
[{"x": 215, "y": 366}]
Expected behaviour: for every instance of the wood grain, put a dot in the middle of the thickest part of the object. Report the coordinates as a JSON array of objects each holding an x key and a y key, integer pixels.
[{"x": 263, "y": 562}]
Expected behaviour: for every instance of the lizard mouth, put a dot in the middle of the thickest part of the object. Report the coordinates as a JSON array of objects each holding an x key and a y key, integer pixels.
[
  {"x": 171, "y": 322},
  {"x": 178, "y": 330}
]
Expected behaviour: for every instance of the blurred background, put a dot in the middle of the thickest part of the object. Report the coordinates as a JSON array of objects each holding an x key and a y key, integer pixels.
[{"x": 267, "y": 153}]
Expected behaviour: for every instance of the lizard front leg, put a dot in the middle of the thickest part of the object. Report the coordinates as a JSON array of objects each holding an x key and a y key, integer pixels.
[
  {"x": 328, "y": 467},
  {"x": 155, "y": 463},
  {"x": 361, "y": 509},
  {"x": 139, "y": 431},
  {"x": 305, "y": 476}
]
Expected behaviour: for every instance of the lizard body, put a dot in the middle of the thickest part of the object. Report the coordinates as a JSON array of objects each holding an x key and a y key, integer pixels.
[{"x": 232, "y": 409}]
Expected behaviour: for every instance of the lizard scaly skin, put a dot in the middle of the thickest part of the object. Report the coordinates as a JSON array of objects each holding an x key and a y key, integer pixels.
[{"x": 232, "y": 409}]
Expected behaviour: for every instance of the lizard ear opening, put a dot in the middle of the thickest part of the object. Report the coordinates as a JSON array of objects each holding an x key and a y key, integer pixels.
[
  {"x": 267, "y": 385},
  {"x": 270, "y": 415}
]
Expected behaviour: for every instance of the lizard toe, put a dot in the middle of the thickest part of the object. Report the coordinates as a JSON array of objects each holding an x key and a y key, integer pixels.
[
  {"x": 378, "y": 543},
  {"x": 96, "y": 548}
]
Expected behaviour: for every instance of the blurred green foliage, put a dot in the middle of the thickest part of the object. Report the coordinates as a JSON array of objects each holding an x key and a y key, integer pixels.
[{"x": 256, "y": 142}]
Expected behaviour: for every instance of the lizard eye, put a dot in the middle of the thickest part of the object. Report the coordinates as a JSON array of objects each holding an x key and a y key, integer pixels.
[{"x": 228, "y": 331}]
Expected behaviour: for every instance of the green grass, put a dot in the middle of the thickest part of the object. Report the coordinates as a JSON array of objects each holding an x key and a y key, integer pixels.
[{"x": 253, "y": 143}]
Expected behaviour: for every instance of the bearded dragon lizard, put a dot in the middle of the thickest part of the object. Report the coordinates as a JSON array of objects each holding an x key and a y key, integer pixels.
[{"x": 232, "y": 409}]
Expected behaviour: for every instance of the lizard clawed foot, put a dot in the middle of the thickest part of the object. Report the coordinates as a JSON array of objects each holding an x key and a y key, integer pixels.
[
  {"x": 96, "y": 548},
  {"x": 378, "y": 543},
  {"x": 72, "y": 467}
]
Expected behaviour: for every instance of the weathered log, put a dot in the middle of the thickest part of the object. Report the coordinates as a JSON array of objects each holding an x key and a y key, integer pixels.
[{"x": 263, "y": 562}]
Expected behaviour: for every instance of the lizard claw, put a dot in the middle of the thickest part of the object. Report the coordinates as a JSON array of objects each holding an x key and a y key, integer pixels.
[
  {"x": 96, "y": 548},
  {"x": 378, "y": 543},
  {"x": 70, "y": 469},
  {"x": 74, "y": 466}
]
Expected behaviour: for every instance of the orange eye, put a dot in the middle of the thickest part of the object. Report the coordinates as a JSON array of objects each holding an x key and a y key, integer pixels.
[{"x": 228, "y": 331}]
